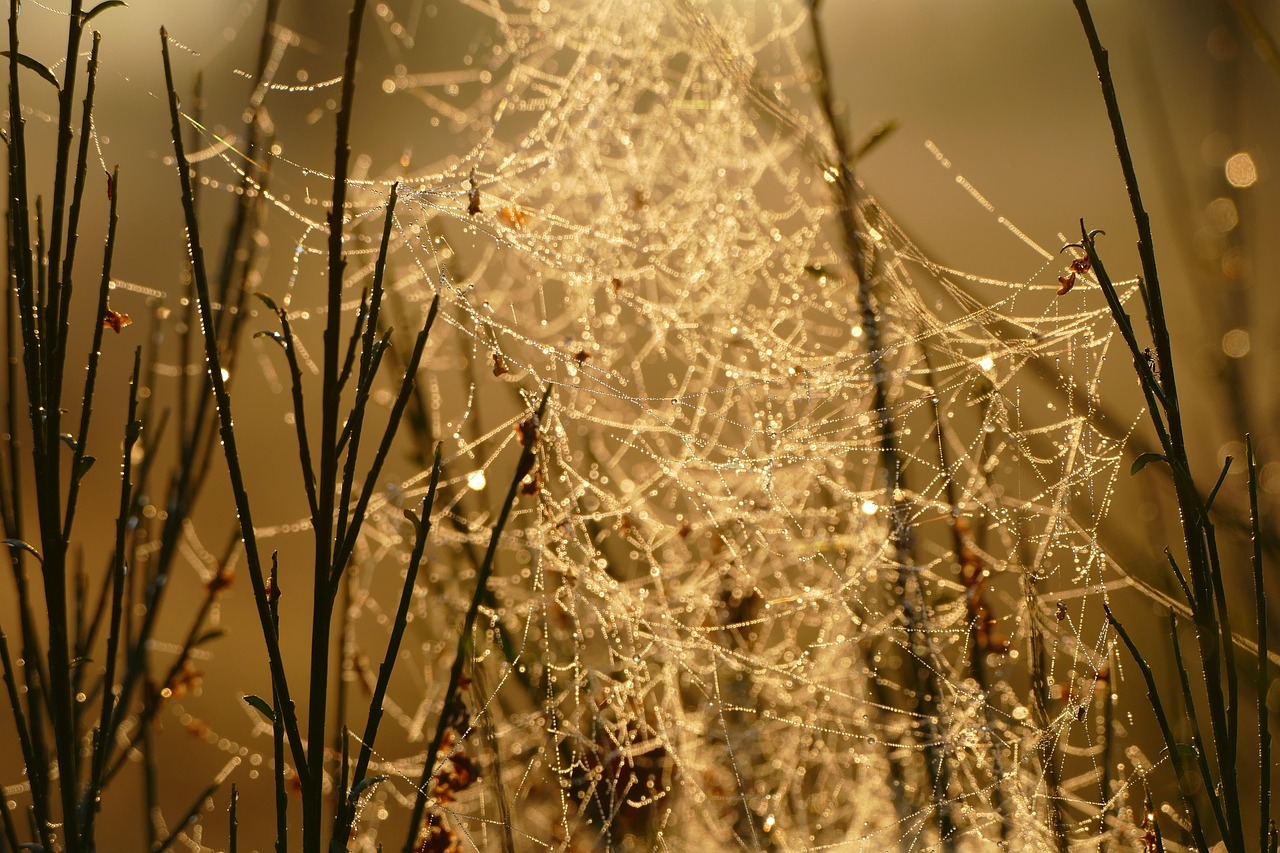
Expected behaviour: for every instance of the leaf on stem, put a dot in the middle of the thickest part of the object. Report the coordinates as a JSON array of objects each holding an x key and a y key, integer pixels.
[
  {"x": 36, "y": 66},
  {"x": 86, "y": 17},
  {"x": 1145, "y": 459},
  {"x": 267, "y": 301},
  {"x": 262, "y": 707},
  {"x": 275, "y": 336},
  {"x": 86, "y": 463},
  {"x": 22, "y": 546},
  {"x": 364, "y": 784}
]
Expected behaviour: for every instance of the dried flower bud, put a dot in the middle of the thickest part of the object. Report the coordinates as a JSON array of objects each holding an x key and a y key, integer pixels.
[
  {"x": 115, "y": 320},
  {"x": 473, "y": 195},
  {"x": 273, "y": 591}
]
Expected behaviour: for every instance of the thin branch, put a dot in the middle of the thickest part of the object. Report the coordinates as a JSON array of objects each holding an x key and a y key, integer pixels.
[
  {"x": 227, "y": 429},
  {"x": 461, "y": 653}
]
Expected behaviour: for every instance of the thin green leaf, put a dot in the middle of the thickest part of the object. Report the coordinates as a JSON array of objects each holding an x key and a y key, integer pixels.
[
  {"x": 69, "y": 440},
  {"x": 260, "y": 705},
  {"x": 85, "y": 464},
  {"x": 22, "y": 546},
  {"x": 267, "y": 301},
  {"x": 37, "y": 67},
  {"x": 275, "y": 336},
  {"x": 1146, "y": 458},
  {"x": 101, "y": 7},
  {"x": 364, "y": 784},
  {"x": 1188, "y": 749}
]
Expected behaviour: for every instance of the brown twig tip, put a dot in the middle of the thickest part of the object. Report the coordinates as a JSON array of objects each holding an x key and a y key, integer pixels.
[{"x": 473, "y": 194}]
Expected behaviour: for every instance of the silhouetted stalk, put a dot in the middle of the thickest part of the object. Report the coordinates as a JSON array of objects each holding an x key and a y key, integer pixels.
[
  {"x": 1202, "y": 755},
  {"x": 59, "y": 294},
  {"x": 362, "y": 315},
  {"x": 1206, "y": 602},
  {"x": 32, "y": 668},
  {"x": 67, "y": 263},
  {"x": 10, "y": 830},
  {"x": 285, "y": 339},
  {"x": 369, "y": 487},
  {"x": 1263, "y": 681},
  {"x": 132, "y": 430},
  {"x": 1227, "y": 649},
  {"x": 1158, "y": 381},
  {"x": 277, "y": 730},
  {"x": 44, "y": 416},
  {"x": 422, "y": 435},
  {"x": 226, "y": 428},
  {"x": 36, "y": 772},
  {"x": 325, "y": 564},
  {"x": 370, "y": 358},
  {"x": 78, "y": 469},
  {"x": 233, "y": 824},
  {"x": 343, "y": 666},
  {"x": 928, "y": 688},
  {"x": 1171, "y": 743},
  {"x": 195, "y": 448},
  {"x": 523, "y": 466},
  {"x": 348, "y": 796}
]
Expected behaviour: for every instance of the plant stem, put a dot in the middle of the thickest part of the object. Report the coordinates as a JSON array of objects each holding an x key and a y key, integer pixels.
[
  {"x": 322, "y": 598},
  {"x": 928, "y": 687},
  {"x": 226, "y": 428},
  {"x": 1263, "y": 678},
  {"x": 348, "y": 802},
  {"x": 429, "y": 766}
]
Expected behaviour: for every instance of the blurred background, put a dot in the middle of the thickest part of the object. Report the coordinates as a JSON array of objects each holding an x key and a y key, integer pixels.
[{"x": 997, "y": 120}]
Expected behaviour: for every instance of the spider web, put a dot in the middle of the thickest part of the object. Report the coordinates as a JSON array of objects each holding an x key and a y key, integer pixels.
[{"x": 700, "y": 633}]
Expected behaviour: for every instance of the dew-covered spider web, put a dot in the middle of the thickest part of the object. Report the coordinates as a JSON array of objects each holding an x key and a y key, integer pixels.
[{"x": 713, "y": 624}]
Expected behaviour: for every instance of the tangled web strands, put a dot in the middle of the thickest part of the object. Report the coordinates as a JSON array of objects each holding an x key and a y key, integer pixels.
[{"x": 699, "y": 633}]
